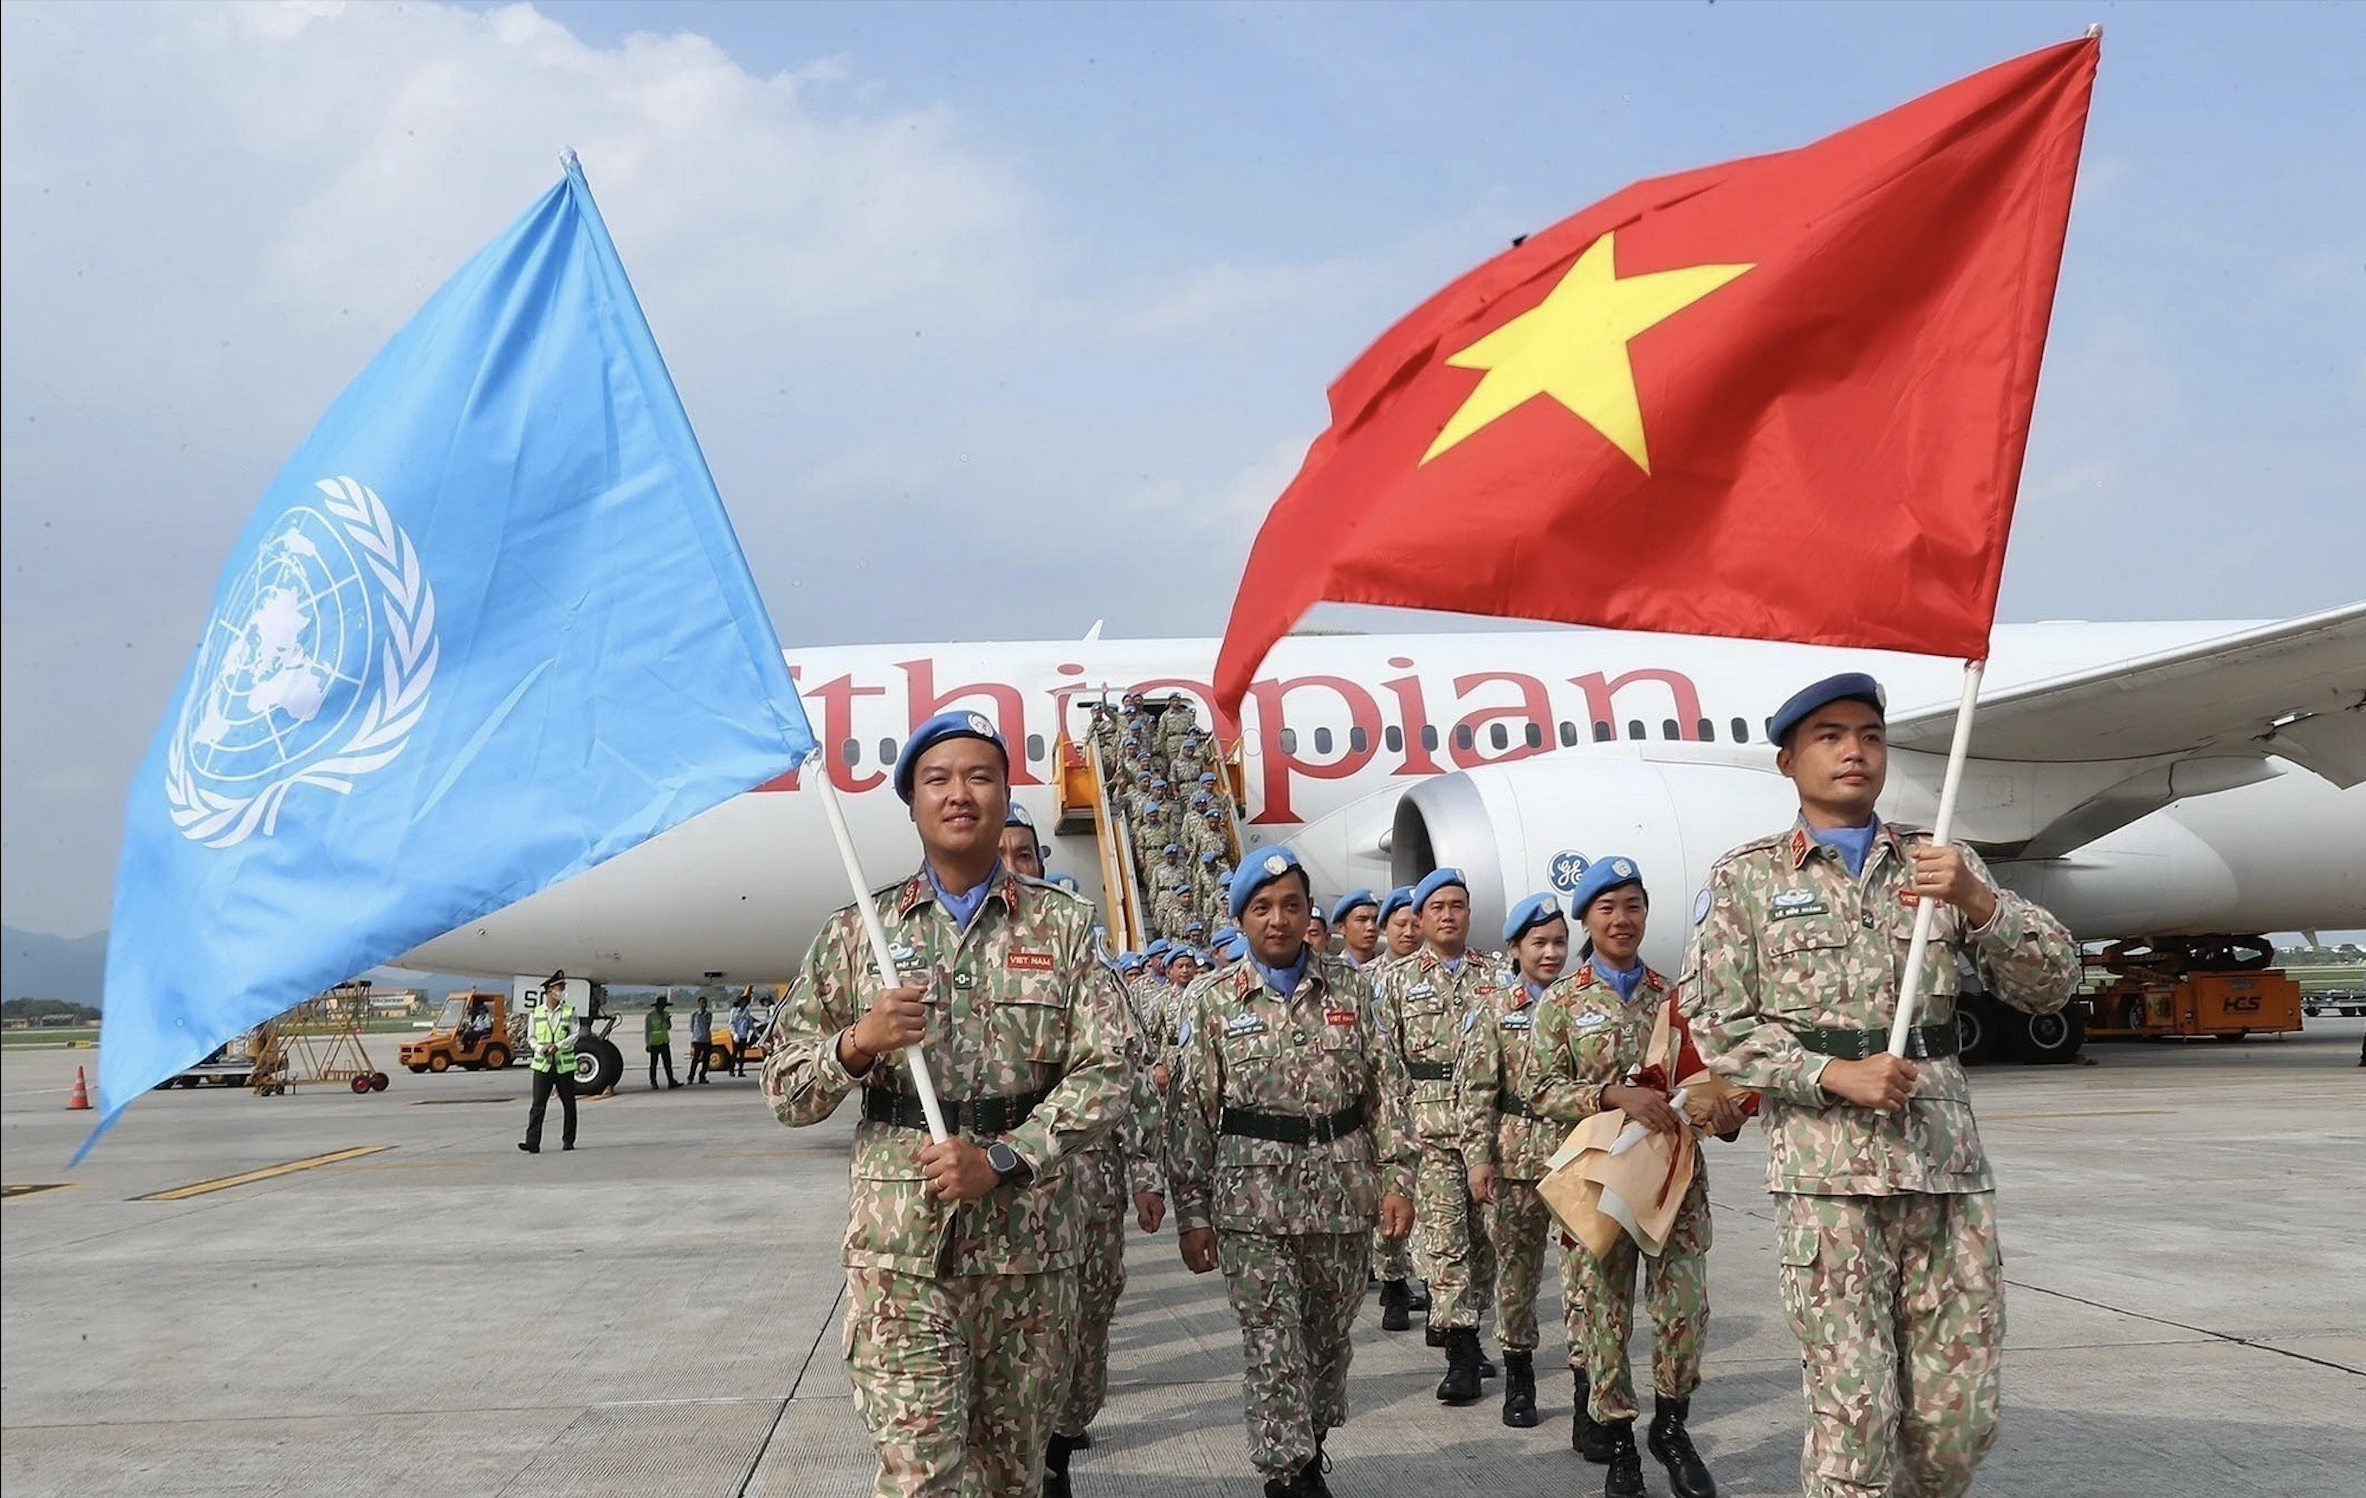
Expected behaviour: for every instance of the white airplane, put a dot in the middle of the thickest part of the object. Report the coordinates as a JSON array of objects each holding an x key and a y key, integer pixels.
[{"x": 2137, "y": 779}]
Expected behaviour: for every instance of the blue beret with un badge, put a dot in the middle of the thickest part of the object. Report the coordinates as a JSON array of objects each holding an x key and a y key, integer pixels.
[
  {"x": 1236, "y": 949},
  {"x": 1256, "y": 872},
  {"x": 1536, "y": 910},
  {"x": 1017, "y": 817},
  {"x": 936, "y": 731},
  {"x": 1848, "y": 686},
  {"x": 1350, "y": 901},
  {"x": 1157, "y": 948},
  {"x": 1397, "y": 899},
  {"x": 1436, "y": 880},
  {"x": 1602, "y": 876}
]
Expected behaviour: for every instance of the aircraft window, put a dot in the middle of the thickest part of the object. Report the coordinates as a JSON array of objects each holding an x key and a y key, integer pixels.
[
  {"x": 1429, "y": 737},
  {"x": 1394, "y": 738},
  {"x": 1603, "y": 732},
  {"x": 850, "y": 753},
  {"x": 1035, "y": 748},
  {"x": 1534, "y": 734},
  {"x": 1568, "y": 733},
  {"x": 887, "y": 751},
  {"x": 1322, "y": 741},
  {"x": 1707, "y": 733},
  {"x": 1498, "y": 737},
  {"x": 1289, "y": 741},
  {"x": 1358, "y": 740},
  {"x": 1669, "y": 730},
  {"x": 1634, "y": 728},
  {"x": 1741, "y": 730},
  {"x": 1463, "y": 736}
]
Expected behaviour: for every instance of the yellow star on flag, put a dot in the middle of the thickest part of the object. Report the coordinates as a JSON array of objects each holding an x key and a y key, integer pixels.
[{"x": 1572, "y": 346}]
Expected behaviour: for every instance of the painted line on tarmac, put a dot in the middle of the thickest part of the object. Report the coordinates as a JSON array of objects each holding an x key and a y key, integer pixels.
[
  {"x": 11, "y": 1190},
  {"x": 2104, "y": 1113},
  {"x": 2256, "y": 1343},
  {"x": 450, "y": 1102},
  {"x": 423, "y": 1165},
  {"x": 268, "y": 1172}
]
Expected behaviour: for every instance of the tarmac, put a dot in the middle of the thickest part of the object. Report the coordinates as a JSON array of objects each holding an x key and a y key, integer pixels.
[{"x": 658, "y": 1312}]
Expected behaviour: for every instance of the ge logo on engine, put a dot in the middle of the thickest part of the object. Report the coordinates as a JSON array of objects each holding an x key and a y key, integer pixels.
[{"x": 1568, "y": 868}]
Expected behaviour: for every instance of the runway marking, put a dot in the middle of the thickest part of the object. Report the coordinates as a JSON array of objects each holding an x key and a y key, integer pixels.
[
  {"x": 771, "y": 1154},
  {"x": 423, "y": 1165},
  {"x": 2105, "y": 1113},
  {"x": 2255, "y": 1343},
  {"x": 448, "y": 1102},
  {"x": 249, "y": 1177},
  {"x": 13, "y": 1189}
]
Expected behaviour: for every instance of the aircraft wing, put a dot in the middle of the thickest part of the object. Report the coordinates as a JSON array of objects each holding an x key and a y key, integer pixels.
[{"x": 2295, "y": 689}]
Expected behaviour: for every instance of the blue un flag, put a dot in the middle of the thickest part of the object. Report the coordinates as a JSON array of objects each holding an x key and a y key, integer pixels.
[{"x": 488, "y": 628}]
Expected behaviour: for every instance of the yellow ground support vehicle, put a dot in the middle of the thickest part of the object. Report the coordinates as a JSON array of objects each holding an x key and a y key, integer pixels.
[
  {"x": 475, "y": 1032},
  {"x": 2218, "y": 986},
  {"x": 718, "y": 1038}
]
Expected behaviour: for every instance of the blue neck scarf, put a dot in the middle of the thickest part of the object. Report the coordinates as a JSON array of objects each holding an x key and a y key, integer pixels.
[
  {"x": 1535, "y": 989},
  {"x": 1282, "y": 980},
  {"x": 1624, "y": 981},
  {"x": 963, "y": 907},
  {"x": 1853, "y": 844}
]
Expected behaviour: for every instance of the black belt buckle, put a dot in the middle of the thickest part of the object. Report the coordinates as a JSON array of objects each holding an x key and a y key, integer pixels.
[{"x": 1918, "y": 1043}]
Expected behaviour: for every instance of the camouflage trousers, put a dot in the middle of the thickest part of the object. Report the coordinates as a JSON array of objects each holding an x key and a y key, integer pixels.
[
  {"x": 1675, "y": 1295},
  {"x": 1450, "y": 1240},
  {"x": 1519, "y": 1224},
  {"x": 1898, "y": 1303},
  {"x": 1100, "y": 1281},
  {"x": 1296, "y": 1295},
  {"x": 1392, "y": 1258},
  {"x": 956, "y": 1378}
]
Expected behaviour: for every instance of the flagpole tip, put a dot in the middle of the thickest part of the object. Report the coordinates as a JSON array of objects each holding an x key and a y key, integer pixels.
[
  {"x": 568, "y": 163},
  {"x": 2095, "y": 31}
]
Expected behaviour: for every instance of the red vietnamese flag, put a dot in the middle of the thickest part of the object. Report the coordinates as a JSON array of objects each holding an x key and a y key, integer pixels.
[{"x": 1783, "y": 398}]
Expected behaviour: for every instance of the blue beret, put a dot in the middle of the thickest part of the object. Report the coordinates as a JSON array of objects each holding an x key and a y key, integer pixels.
[
  {"x": 1602, "y": 876},
  {"x": 1185, "y": 949},
  {"x": 1170, "y": 848},
  {"x": 1064, "y": 881},
  {"x": 1207, "y": 777},
  {"x": 934, "y": 732},
  {"x": 1157, "y": 948},
  {"x": 1350, "y": 901},
  {"x": 1262, "y": 869},
  {"x": 1395, "y": 900},
  {"x": 1130, "y": 962},
  {"x": 1158, "y": 780},
  {"x": 1848, "y": 686},
  {"x": 1438, "y": 879},
  {"x": 1226, "y": 933},
  {"x": 1238, "y": 948},
  {"x": 1017, "y": 816},
  {"x": 1536, "y": 910},
  {"x": 1209, "y": 856}
]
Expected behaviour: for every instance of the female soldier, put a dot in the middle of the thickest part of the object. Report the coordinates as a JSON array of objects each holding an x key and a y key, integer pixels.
[
  {"x": 1506, "y": 1145},
  {"x": 1591, "y": 1036}
]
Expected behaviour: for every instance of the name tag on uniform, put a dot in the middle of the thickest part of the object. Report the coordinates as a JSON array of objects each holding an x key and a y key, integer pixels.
[
  {"x": 1339, "y": 1016},
  {"x": 1518, "y": 1019},
  {"x": 1792, "y": 902},
  {"x": 1028, "y": 962},
  {"x": 1245, "y": 1024}
]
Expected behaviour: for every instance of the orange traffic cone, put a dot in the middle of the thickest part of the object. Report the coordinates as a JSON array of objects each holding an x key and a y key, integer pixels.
[{"x": 81, "y": 1098}]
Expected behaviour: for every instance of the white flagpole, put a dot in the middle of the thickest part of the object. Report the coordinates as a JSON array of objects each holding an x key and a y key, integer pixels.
[
  {"x": 1926, "y": 909},
  {"x": 882, "y": 955}
]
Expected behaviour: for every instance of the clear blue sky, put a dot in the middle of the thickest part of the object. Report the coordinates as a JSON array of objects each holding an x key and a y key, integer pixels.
[{"x": 1044, "y": 298}]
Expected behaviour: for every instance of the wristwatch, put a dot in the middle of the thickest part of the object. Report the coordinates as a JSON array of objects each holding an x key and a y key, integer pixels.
[{"x": 1007, "y": 1164}]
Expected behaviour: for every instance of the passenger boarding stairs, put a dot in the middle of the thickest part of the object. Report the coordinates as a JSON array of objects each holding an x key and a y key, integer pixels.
[{"x": 1089, "y": 808}]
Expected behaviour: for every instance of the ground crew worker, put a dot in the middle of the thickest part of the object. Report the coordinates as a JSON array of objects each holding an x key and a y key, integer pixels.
[
  {"x": 702, "y": 1030},
  {"x": 1021, "y": 853},
  {"x": 1426, "y": 1002},
  {"x": 657, "y": 1035},
  {"x": 961, "y": 1256},
  {"x": 1286, "y": 1148},
  {"x": 1506, "y": 1143},
  {"x": 550, "y": 1047},
  {"x": 743, "y": 1029},
  {"x": 1357, "y": 919},
  {"x": 1592, "y": 1036},
  {"x": 1392, "y": 1258},
  {"x": 1885, "y": 1210}
]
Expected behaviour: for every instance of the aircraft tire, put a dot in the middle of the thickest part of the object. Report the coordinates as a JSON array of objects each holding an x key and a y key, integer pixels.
[
  {"x": 608, "y": 1068},
  {"x": 2049, "y": 1039},
  {"x": 1975, "y": 1028}
]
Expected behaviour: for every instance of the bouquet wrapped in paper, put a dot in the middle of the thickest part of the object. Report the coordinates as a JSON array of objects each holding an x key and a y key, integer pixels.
[{"x": 1612, "y": 1175}]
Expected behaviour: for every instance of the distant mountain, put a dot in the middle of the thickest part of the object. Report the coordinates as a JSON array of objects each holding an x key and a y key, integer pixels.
[{"x": 37, "y": 965}]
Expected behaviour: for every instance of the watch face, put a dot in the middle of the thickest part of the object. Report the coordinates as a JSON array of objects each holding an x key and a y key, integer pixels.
[{"x": 1002, "y": 1157}]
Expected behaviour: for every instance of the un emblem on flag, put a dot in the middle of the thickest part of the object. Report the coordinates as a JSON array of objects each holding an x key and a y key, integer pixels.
[{"x": 314, "y": 668}]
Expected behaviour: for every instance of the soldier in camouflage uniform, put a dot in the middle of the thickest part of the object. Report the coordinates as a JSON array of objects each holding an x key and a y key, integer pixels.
[
  {"x": 1885, "y": 1209},
  {"x": 961, "y": 1256},
  {"x": 1592, "y": 1035},
  {"x": 1129, "y": 1165},
  {"x": 1285, "y": 1148},
  {"x": 1174, "y": 725},
  {"x": 1505, "y": 1142},
  {"x": 1426, "y": 1003},
  {"x": 1356, "y": 917},
  {"x": 1392, "y": 1258}
]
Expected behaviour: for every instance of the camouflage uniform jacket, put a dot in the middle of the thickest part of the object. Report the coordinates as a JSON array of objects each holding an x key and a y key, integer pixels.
[
  {"x": 1786, "y": 938},
  {"x": 1590, "y": 1038},
  {"x": 1505, "y": 1056},
  {"x": 1424, "y": 1009},
  {"x": 1132, "y": 1157},
  {"x": 1020, "y": 1001},
  {"x": 1241, "y": 1045}
]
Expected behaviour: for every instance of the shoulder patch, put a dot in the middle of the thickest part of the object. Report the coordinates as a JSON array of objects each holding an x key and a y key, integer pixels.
[
  {"x": 1701, "y": 904},
  {"x": 1470, "y": 1017},
  {"x": 1183, "y": 1031}
]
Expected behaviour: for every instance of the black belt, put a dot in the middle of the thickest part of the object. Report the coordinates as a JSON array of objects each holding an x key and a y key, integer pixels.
[
  {"x": 985, "y": 1115},
  {"x": 1291, "y": 1128},
  {"x": 1430, "y": 1071},
  {"x": 1923, "y": 1042},
  {"x": 1512, "y": 1105}
]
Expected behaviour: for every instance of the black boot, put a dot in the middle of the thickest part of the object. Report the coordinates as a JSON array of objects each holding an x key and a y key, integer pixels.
[
  {"x": 1311, "y": 1481},
  {"x": 1419, "y": 1291},
  {"x": 1434, "y": 1334},
  {"x": 1672, "y": 1444},
  {"x": 1585, "y": 1434},
  {"x": 1487, "y": 1368},
  {"x": 1461, "y": 1383},
  {"x": 1519, "y": 1390},
  {"x": 1625, "y": 1477},
  {"x": 1055, "y": 1466},
  {"x": 1081, "y": 1442},
  {"x": 1395, "y": 1304}
]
